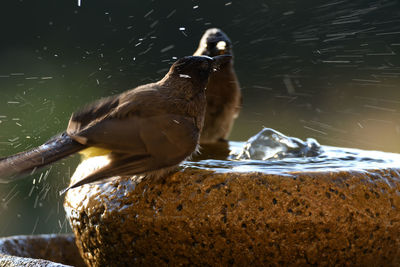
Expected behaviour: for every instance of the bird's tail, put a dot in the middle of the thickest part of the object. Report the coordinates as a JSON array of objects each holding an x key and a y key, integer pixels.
[{"x": 27, "y": 162}]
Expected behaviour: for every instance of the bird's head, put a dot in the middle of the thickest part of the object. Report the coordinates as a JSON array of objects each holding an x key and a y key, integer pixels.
[
  {"x": 213, "y": 43},
  {"x": 198, "y": 69}
]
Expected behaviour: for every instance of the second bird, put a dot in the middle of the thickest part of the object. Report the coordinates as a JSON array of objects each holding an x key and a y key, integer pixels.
[{"x": 223, "y": 90}]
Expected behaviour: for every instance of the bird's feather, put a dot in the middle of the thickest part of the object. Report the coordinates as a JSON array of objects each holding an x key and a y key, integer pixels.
[{"x": 26, "y": 162}]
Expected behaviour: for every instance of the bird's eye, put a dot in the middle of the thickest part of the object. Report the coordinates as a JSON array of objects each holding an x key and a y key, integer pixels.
[
  {"x": 204, "y": 66},
  {"x": 211, "y": 45}
]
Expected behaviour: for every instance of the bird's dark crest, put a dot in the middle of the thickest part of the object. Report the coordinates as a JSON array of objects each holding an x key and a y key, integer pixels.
[{"x": 215, "y": 35}]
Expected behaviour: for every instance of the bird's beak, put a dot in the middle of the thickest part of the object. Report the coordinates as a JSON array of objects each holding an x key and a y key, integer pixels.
[{"x": 219, "y": 61}]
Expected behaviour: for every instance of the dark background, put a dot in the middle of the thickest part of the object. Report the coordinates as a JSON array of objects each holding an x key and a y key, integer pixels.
[{"x": 323, "y": 69}]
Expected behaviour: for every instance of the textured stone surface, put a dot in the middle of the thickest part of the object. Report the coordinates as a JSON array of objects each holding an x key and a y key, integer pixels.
[
  {"x": 39, "y": 250},
  {"x": 199, "y": 217},
  {"x": 13, "y": 261}
]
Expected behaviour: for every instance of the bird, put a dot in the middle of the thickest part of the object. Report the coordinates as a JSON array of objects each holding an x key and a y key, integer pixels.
[
  {"x": 223, "y": 92},
  {"x": 146, "y": 130}
]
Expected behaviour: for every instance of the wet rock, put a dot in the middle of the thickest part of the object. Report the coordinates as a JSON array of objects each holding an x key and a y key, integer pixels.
[
  {"x": 200, "y": 217},
  {"x": 39, "y": 250}
]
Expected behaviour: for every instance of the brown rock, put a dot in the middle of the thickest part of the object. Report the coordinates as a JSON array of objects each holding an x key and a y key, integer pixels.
[{"x": 199, "y": 217}]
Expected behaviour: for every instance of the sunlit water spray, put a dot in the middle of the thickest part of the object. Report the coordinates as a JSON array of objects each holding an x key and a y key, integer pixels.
[{"x": 271, "y": 144}]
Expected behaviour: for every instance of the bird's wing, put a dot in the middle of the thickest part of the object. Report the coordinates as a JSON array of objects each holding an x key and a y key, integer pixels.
[
  {"x": 92, "y": 113},
  {"x": 121, "y": 135},
  {"x": 144, "y": 145},
  {"x": 115, "y": 123}
]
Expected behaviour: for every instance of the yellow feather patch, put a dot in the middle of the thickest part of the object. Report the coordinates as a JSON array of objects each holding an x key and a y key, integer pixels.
[{"x": 94, "y": 152}]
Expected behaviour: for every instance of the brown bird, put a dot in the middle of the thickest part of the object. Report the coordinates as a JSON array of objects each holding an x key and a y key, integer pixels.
[
  {"x": 145, "y": 130},
  {"x": 223, "y": 91}
]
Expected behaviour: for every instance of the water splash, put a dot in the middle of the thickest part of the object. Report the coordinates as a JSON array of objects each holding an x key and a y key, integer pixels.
[
  {"x": 271, "y": 144},
  {"x": 272, "y": 152}
]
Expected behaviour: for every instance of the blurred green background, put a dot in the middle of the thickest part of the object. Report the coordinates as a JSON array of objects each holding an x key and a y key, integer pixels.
[{"x": 323, "y": 69}]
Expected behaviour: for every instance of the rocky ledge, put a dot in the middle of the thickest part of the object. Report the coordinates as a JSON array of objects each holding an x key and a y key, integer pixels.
[{"x": 39, "y": 250}]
